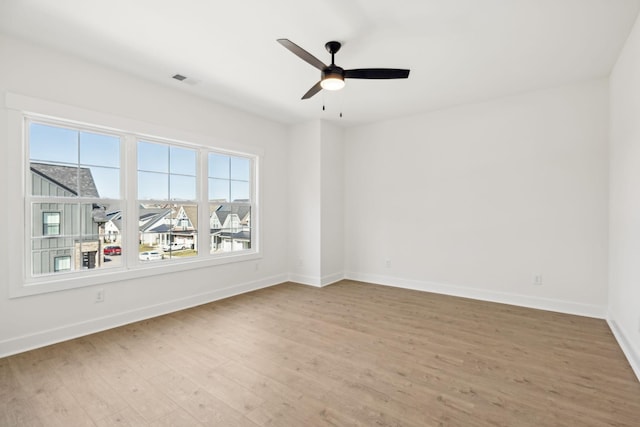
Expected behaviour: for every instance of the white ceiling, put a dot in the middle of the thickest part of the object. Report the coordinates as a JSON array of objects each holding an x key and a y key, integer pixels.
[{"x": 459, "y": 51}]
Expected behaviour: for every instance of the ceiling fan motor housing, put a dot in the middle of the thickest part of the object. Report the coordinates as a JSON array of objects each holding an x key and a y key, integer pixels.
[{"x": 332, "y": 71}]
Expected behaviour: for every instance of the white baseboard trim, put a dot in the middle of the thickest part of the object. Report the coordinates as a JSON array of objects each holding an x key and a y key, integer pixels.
[
  {"x": 71, "y": 331},
  {"x": 315, "y": 281},
  {"x": 305, "y": 280},
  {"x": 548, "y": 304},
  {"x": 625, "y": 344},
  {"x": 331, "y": 278}
]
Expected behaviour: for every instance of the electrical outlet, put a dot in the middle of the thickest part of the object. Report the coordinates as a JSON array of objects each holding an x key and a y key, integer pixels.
[
  {"x": 537, "y": 279},
  {"x": 387, "y": 263},
  {"x": 100, "y": 295}
]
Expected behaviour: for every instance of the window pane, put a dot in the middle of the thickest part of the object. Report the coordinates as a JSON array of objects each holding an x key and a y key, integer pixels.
[
  {"x": 182, "y": 187},
  {"x": 219, "y": 190},
  {"x": 99, "y": 150},
  {"x": 168, "y": 232},
  {"x": 240, "y": 167},
  {"x": 153, "y": 186},
  {"x": 55, "y": 166},
  {"x": 219, "y": 166},
  {"x": 230, "y": 227},
  {"x": 183, "y": 161},
  {"x": 86, "y": 230},
  {"x": 153, "y": 157},
  {"x": 239, "y": 191},
  {"x": 50, "y": 144}
]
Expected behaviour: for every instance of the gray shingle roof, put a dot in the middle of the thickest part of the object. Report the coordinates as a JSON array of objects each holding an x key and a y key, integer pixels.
[
  {"x": 224, "y": 210},
  {"x": 76, "y": 180},
  {"x": 151, "y": 218}
]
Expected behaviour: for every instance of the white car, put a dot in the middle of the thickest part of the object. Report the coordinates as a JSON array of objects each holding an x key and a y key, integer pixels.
[
  {"x": 174, "y": 247},
  {"x": 150, "y": 255}
]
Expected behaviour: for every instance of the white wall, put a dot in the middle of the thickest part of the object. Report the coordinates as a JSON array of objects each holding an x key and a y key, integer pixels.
[
  {"x": 332, "y": 209},
  {"x": 476, "y": 200},
  {"x": 624, "y": 243},
  {"x": 304, "y": 214},
  {"x": 45, "y": 74},
  {"x": 316, "y": 203}
]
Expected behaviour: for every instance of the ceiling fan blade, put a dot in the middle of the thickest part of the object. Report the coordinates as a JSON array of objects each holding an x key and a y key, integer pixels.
[
  {"x": 302, "y": 54},
  {"x": 376, "y": 73},
  {"x": 315, "y": 89}
]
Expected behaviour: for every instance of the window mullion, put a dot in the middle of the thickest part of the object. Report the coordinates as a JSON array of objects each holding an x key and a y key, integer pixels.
[
  {"x": 130, "y": 236},
  {"x": 203, "y": 203}
]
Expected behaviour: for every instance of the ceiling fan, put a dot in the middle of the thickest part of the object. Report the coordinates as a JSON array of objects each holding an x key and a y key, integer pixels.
[{"x": 332, "y": 76}]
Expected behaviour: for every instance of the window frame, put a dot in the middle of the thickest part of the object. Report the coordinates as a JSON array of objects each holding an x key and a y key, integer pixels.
[
  {"x": 77, "y": 232},
  {"x": 21, "y": 108}
]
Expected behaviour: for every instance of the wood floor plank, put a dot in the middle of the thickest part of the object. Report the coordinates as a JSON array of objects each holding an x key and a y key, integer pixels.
[
  {"x": 348, "y": 354},
  {"x": 197, "y": 402},
  {"x": 127, "y": 417}
]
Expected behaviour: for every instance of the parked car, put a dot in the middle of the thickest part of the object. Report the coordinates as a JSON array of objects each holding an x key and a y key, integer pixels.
[
  {"x": 112, "y": 250},
  {"x": 174, "y": 247},
  {"x": 150, "y": 255}
]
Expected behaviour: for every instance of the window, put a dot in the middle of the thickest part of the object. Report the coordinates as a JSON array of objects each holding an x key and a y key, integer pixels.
[
  {"x": 50, "y": 223},
  {"x": 161, "y": 203},
  {"x": 229, "y": 203},
  {"x": 75, "y": 181},
  {"x": 167, "y": 195}
]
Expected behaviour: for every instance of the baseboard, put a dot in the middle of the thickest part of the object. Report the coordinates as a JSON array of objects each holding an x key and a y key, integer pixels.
[
  {"x": 67, "y": 332},
  {"x": 548, "y": 304},
  {"x": 625, "y": 344},
  {"x": 331, "y": 278},
  {"x": 315, "y": 281},
  {"x": 305, "y": 280}
]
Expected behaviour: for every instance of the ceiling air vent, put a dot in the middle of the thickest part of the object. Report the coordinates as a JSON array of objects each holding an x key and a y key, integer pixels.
[{"x": 179, "y": 77}]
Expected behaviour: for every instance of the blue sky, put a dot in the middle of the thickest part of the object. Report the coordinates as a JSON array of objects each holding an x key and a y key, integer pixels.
[{"x": 165, "y": 172}]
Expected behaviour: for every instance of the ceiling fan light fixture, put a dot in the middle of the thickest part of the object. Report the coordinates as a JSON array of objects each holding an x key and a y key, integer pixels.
[
  {"x": 332, "y": 76},
  {"x": 332, "y": 82}
]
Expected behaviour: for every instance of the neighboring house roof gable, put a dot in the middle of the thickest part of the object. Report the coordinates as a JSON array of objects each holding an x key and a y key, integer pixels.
[
  {"x": 76, "y": 180},
  {"x": 223, "y": 211},
  {"x": 191, "y": 212}
]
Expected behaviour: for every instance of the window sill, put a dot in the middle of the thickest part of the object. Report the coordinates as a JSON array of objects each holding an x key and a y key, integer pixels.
[{"x": 76, "y": 280}]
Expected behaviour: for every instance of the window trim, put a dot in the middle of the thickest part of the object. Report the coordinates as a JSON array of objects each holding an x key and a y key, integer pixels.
[{"x": 20, "y": 107}]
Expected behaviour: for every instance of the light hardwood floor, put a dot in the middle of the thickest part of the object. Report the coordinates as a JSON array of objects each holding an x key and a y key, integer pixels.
[{"x": 348, "y": 354}]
